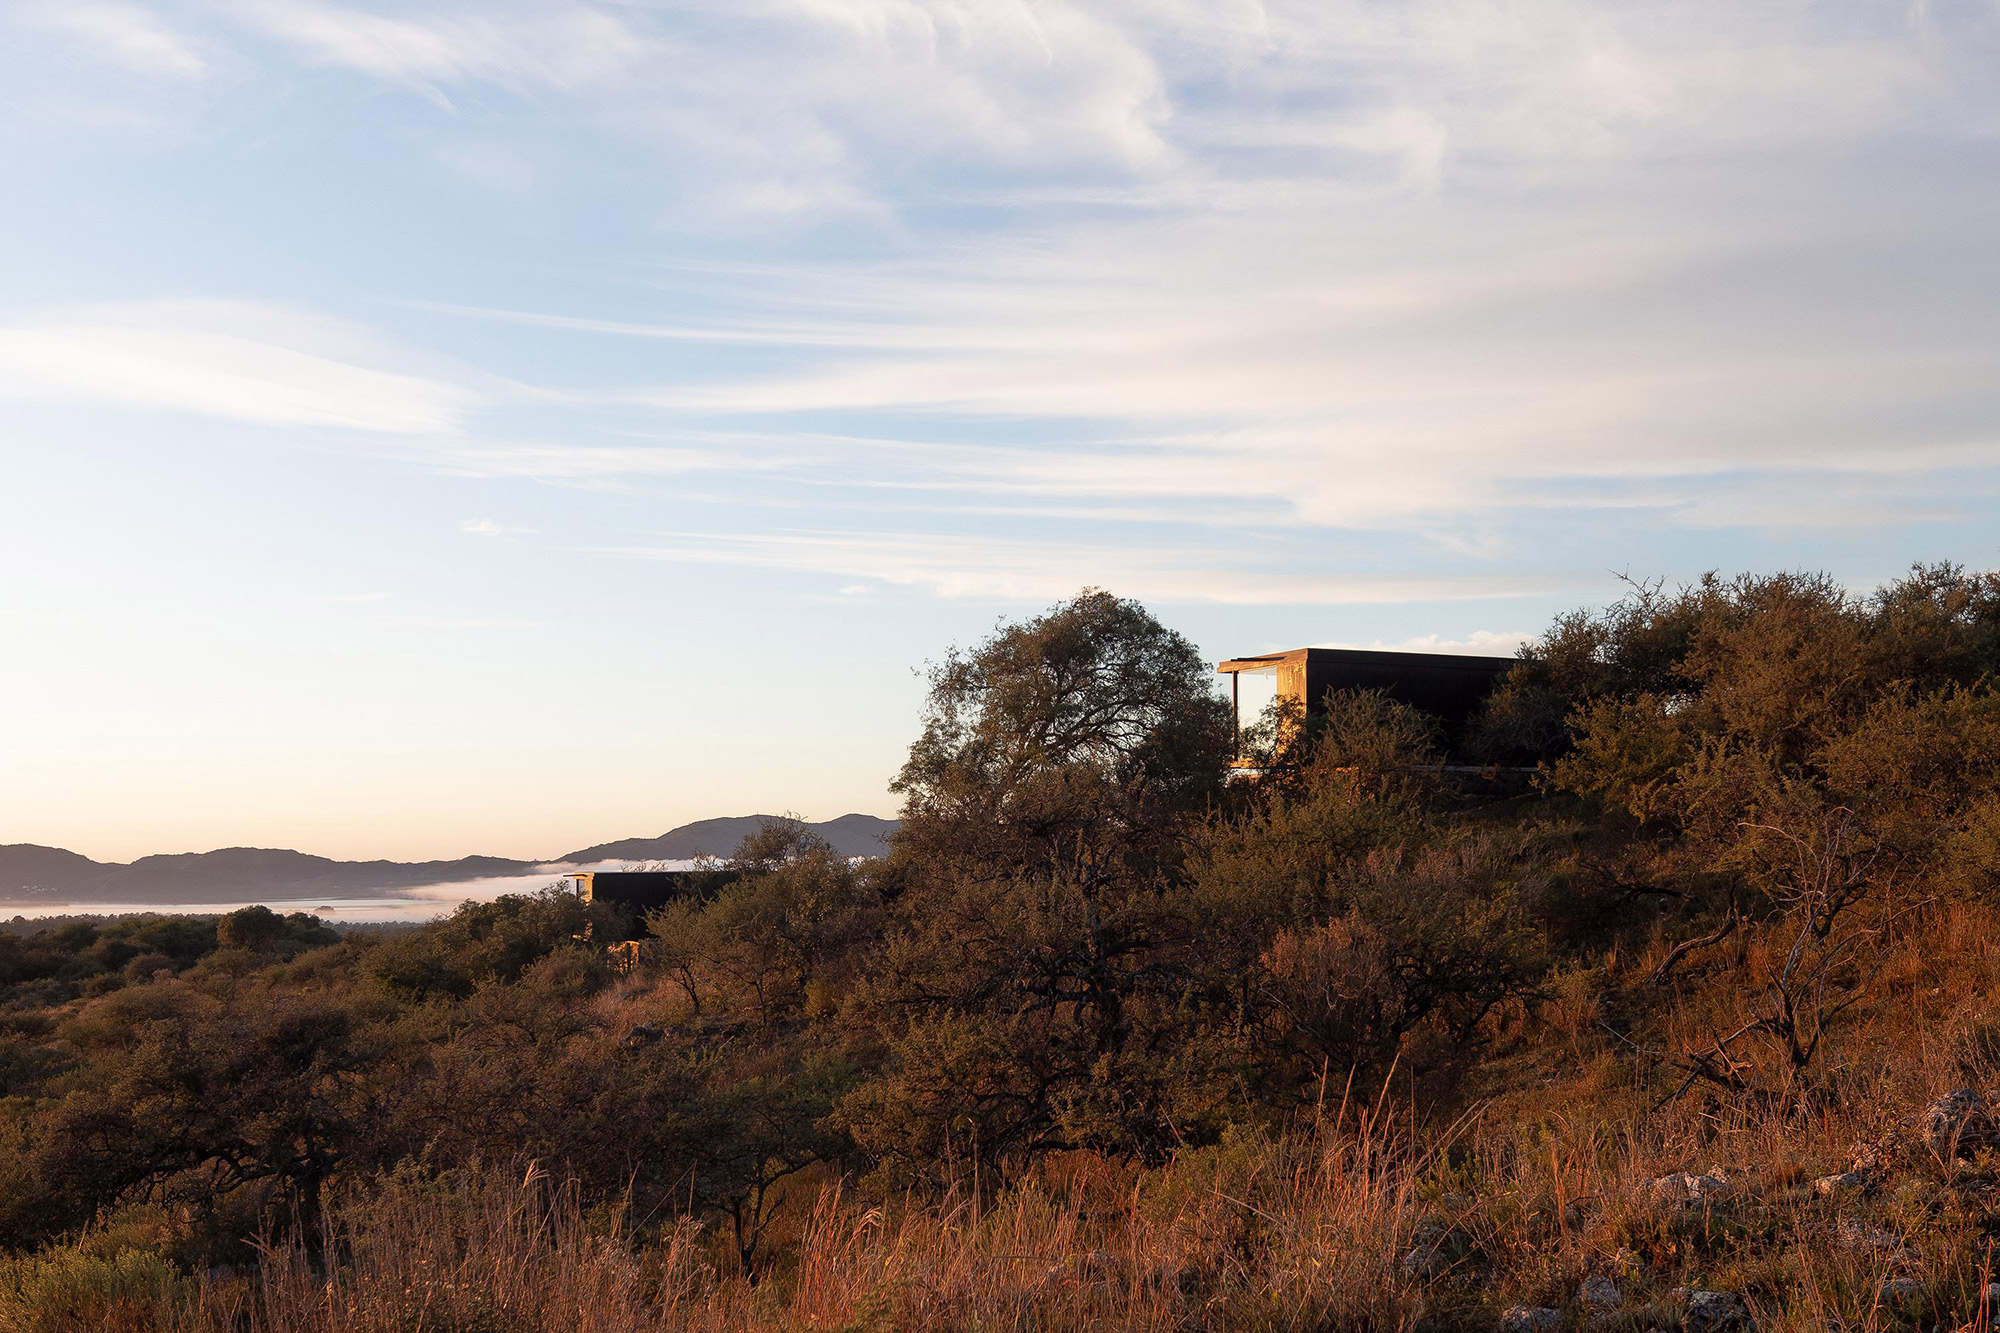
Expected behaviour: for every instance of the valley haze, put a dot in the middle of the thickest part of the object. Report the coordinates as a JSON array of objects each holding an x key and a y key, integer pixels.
[{"x": 43, "y": 877}]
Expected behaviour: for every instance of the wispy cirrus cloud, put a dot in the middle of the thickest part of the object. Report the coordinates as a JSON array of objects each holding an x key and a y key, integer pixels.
[
  {"x": 130, "y": 36},
  {"x": 1406, "y": 267},
  {"x": 237, "y": 360},
  {"x": 1479, "y": 643},
  {"x": 1015, "y": 570},
  {"x": 564, "y": 47},
  {"x": 1407, "y": 382},
  {"x": 486, "y": 527},
  {"x": 1443, "y": 270},
  {"x": 801, "y": 317},
  {"x": 789, "y": 107}
]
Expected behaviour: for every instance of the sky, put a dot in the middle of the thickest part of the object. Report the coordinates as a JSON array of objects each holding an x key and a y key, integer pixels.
[{"x": 436, "y": 428}]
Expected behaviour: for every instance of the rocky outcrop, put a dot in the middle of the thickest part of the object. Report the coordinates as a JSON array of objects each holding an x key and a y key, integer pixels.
[
  {"x": 1600, "y": 1292},
  {"x": 1958, "y": 1124},
  {"x": 1684, "y": 1187},
  {"x": 1902, "y": 1290},
  {"x": 1716, "y": 1312}
]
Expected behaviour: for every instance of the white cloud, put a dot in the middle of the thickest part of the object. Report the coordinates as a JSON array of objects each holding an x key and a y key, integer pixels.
[
  {"x": 1357, "y": 369},
  {"x": 235, "y": 360},
  {"x": 567, "y": 47},
  {"x": 583, "y": 465},
  {"x": 1479, "y": 643},
  {"x": 1013, "y": 82},
  {"x": 123, "y": 34},
  {"x": 1008, "y": 570},
  {"x": 1352, "y": 265},
  {"x": 486, "y": 527},
  {"x": 1303, "y": 265},
  {"x": 792, "y": 107}
]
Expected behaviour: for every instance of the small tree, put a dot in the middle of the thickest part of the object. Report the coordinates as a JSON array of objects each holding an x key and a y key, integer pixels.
[
  {"x": 254, "y": 928},
  {"x": 1825, "y": 883}
]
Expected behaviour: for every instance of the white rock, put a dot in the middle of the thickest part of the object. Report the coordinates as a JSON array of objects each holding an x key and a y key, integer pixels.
[
  {"x": 1530, "y": 1319},
  {"x": 1686, "y": 1187},
  {"x": 1847, "y": 1182}
]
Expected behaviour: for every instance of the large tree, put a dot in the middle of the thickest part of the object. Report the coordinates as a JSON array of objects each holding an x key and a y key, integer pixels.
[
  {"x": 1075, "y": 740},
  {"x": 1034, "y": 988}
]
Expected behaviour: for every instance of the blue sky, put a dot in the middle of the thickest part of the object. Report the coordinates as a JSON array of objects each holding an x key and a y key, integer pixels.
[{"x": 435, "y": 428}]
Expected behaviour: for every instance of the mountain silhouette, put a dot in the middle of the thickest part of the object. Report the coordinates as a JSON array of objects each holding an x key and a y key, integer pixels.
[
  {"x": 32, "y": 874},
  {"x": 849, "y": 835}
]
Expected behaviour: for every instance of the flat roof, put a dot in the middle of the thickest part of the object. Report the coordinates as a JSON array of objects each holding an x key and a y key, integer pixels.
[{"x": 1367, "y": 657}]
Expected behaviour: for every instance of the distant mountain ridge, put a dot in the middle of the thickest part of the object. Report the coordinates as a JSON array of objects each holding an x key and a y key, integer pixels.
[
  {"x": 850, "y": 835},
  {"x": 33, "y": 874}
]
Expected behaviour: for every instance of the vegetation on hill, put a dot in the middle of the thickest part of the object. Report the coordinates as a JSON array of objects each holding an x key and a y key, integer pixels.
[{"x": 1695, "y": 1031}]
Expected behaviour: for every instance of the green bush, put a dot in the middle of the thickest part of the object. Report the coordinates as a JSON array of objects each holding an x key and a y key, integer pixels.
[{"x": 68, "y": 1289}]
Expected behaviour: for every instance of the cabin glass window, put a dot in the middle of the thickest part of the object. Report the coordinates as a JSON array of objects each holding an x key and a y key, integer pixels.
[{"x": 1255, "y": 691}]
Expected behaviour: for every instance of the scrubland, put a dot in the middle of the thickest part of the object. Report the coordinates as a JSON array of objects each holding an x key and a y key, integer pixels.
[{"x": 1684, "y": 1012}]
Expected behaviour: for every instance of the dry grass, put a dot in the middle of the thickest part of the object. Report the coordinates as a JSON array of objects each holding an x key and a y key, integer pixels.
[
  {"x": 1311, "y": 1233},
  {"x": 484, "y": 1250},
  {"x": 1253, "y": 1235},
  {"x": 1364, "y": 1218}
]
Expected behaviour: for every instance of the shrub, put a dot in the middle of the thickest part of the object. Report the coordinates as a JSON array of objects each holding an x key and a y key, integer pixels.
[{"x": 69, "y": 1288}]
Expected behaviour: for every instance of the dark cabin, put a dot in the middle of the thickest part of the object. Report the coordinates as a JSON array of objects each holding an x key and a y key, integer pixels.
[
  {"x": 633, "y": 893},
  {"x": 640, "y": 890},
  {"x": 1446, "y": 685}
]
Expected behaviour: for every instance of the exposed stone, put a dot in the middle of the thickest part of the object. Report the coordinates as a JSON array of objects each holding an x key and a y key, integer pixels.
[
  {"x": 1715, "y": 1312},
  {"x": 1900, "y": 1289},
  {"x": 1686, "y": 1187},
  {"x": 1600, "y": 1291},
  {"x": 1858, "y": 1235},
  {"x": 1530, "y": 1319},
  {"x": 1875, "y": 1156},
  {"x": 1847, "y": 1182},
  {"x": 1427, "y": 1258},
  {"x": 1958, "y": 1124},
  {"x": 1425, "y": 1261},
  {"x": 1917, "y": 1194}
]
